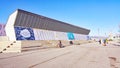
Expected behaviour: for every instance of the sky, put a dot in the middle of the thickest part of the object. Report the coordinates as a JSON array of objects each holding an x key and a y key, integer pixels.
[{"x": 101, "y": 17}]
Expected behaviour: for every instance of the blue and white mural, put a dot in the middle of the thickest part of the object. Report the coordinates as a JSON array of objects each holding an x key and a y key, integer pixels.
[{"x": 23, "y": 33}]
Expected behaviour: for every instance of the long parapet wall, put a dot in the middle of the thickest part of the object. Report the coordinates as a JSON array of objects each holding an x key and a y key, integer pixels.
[
  {"x": 10, "y": 46},
  {"x": 22, "y": 46}
]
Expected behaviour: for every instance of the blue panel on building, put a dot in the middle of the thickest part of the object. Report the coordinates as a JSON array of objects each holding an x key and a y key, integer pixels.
[
  {"x": 24, "y": 33},
  {"x": 88, "y": 38},
  {"x": 70, "y": 36}
]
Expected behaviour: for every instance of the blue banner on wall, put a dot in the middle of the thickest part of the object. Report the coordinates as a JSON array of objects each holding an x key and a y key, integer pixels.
[
  {"x": 23, "y": 33},
  {"x": 70, "y": 36}
]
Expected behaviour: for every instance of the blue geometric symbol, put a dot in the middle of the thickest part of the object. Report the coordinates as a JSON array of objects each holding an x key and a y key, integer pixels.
[
  {"x": 70, "y": 36},
  {"x": 23, "y": 33}
]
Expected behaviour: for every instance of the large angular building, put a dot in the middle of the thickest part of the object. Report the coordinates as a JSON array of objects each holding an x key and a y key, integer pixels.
[{"x": 23, "y": 25}]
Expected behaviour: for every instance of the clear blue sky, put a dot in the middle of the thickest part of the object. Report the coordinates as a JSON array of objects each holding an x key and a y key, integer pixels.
[{"x": 102, "y": 15}]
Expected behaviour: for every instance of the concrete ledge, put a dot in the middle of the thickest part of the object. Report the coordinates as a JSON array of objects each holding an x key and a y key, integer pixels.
[
  {"x": 29, "y": 45},
  {"x": 4, "y": 38}
]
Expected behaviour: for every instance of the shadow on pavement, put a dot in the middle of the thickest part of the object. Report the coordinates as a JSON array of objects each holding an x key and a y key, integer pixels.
[{"x": 116, "y": 44}]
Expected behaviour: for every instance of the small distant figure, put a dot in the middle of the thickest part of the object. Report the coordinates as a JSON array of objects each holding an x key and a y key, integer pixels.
[
  {"x": 105, "y": 41},
  {"x": 100, "y": 41},
  {"x": 71, "y": 42},
  {"x": 60, "y": 44}
]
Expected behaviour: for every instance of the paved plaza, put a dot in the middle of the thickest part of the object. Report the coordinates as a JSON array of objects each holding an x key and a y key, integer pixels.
[{"x": 91, "y": 55}]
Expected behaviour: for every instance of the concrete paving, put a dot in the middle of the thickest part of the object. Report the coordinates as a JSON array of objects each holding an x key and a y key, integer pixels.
[{"x": 92, "y": 55}]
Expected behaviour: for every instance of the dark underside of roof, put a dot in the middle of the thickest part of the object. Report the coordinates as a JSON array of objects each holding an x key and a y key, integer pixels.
[{"x": 28, "y": 19}]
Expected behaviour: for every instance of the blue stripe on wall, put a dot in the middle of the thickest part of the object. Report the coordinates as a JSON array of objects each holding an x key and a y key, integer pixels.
[{"x": 70, "y": 36}]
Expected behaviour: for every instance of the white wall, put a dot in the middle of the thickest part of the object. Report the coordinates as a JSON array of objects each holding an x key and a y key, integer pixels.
[
  {"x": 49, "y": 35},
  {"x": 10, "y": 32},
  {"x": 80, "y": 37},
  {"x": 43, "y": 34},
  {"x": 60, "y": 36},
  {"x": 55, "y": 35}
]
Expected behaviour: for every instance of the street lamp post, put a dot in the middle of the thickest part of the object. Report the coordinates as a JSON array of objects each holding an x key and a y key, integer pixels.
[{"x": 98, "y": 32}]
